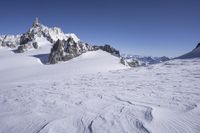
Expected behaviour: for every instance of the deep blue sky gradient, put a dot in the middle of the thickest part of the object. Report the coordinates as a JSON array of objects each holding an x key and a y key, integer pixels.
[{"x": 145, "y": 27}]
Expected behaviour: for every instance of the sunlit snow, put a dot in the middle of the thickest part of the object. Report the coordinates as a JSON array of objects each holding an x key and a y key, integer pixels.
[{"x": 94, "y": 93}]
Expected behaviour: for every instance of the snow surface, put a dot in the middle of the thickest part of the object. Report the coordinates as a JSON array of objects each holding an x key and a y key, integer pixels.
[{"x": 94, "y": 93}]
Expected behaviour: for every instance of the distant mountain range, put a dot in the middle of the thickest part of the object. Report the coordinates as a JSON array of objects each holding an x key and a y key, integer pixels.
[{"x": 145, "y": 60}]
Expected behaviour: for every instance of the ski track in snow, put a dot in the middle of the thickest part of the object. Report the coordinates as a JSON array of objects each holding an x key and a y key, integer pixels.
[{"x": 158, "y": 98}]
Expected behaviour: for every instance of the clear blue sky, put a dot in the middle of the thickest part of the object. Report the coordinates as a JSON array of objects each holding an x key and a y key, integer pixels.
[{"x": 145, "y": 27}]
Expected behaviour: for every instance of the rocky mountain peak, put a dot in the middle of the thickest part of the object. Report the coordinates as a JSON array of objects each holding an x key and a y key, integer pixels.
[
  {"x": 40, "y": 32},
  {"x": 198, "y": 46},
  {"x": 36, "y": 22}
]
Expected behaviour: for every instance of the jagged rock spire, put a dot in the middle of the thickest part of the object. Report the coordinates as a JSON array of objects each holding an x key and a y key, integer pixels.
[
  {"x": 198, "y": 46},
  {"x": 36, "y": 22}
]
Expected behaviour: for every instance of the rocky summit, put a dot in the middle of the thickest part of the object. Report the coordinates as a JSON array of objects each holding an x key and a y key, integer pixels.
[
  {"x": 33, "y": 37},
  {"x": 39, "y": 31}
]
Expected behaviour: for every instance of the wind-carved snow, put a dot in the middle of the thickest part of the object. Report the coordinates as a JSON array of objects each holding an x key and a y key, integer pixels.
[{"x": 94, "y": 93}]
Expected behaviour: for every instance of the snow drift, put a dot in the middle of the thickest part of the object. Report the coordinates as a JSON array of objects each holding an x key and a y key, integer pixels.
[{"x": 94, "y": 93}]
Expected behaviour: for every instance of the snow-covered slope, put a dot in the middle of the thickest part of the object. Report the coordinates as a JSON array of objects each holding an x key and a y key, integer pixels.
[
  {"x": 90, "y": 94},
  {"x": 195, "y": 53},
  {"x": 31, "y": 64}
]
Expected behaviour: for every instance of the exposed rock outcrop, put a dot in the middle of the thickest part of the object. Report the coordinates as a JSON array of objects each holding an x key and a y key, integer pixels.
[
  {"x": 3, "y": 41},
  {"x": 22, "y": 48},
  {"x": 64, "y": 50},
  {"x": 133, "y": 63},
  {"x": 123, "y": 61},
  {"x": 108, "y": 49},
  {"x": 57, "y": 52},
  {"x": 25, "y": 38},
  {"x": 67, "y": 49},
  {"x": 35, "y": 45},
  {"x": 130, "y": 63},
  {"x": 11, "y": 41}
]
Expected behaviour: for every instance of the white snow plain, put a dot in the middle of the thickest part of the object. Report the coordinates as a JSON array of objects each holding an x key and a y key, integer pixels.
[{"x": 94, "y": 93}]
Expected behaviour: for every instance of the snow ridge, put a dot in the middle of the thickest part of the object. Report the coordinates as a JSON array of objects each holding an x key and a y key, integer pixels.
[{"x": 195, "y": 53}]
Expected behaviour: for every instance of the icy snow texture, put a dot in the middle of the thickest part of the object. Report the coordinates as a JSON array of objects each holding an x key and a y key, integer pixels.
[{"x": 94, "y": 93}]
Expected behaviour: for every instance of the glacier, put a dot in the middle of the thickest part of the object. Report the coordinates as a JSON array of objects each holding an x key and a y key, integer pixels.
[{"x": 95, "y": 93}]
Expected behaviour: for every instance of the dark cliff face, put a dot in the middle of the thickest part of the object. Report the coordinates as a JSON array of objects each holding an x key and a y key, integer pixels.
[
  {"x": 64, "y": 50},
  {"x": 25, "y": 38},
  {"x": 57, "y": 52}
]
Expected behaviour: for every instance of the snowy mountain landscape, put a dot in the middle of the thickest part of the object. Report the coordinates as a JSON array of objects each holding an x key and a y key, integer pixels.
[{"x": 52, "y": 82}]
